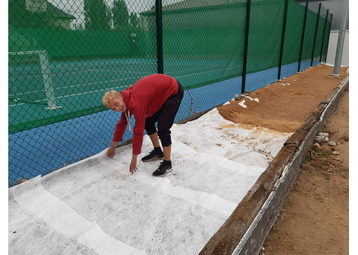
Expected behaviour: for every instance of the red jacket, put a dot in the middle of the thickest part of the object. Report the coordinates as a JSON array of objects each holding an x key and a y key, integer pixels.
[{"x": 143, "y": 99}]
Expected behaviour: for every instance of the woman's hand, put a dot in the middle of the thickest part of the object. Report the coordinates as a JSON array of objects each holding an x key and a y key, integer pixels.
[
  {"x": 111, "y": 152},
  {"x": 133, "y": 165}
]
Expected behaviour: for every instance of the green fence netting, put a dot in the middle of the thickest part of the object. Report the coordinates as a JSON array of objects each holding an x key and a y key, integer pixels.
[
  {"x": 309, "y": 33},
  {"x": 64, "y": 55},
  {"x": 320, "y": 33},
  {"x": 294, "y": 26},
  {"x": 202, "y": 40},
  {"x": 265, "y": 35}
]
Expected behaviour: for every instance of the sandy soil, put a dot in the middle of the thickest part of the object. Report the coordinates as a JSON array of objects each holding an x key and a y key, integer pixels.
[
  {"x": 284, "y": 107},
  {"x": 315, "y": 216}
]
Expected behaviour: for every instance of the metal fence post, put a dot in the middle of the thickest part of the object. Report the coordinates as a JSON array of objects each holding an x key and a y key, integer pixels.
[
  {"x": 328, "y": 36},
  {"x": 282, "y": 40},
  {"x": 315, "y": 34},
  {"x": 323, "y": 37},
  {"x": 303, "y": 37},
  {"x": 340, "y": 42},
  {"x": 248, "y": 10},
  {"x": 159, "y": 23}
]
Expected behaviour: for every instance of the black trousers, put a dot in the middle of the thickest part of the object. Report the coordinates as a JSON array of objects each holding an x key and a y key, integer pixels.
[{"x": 165, "y": 117}]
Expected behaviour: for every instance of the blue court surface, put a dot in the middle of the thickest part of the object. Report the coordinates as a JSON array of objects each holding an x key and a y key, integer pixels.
[{"x": 79, "y": 86}]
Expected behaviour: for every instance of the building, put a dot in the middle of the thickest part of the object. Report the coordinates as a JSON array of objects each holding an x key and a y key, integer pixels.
[{"x": 37, "y": 13}]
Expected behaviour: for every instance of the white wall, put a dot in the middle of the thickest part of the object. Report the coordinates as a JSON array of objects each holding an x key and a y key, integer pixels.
[{"x": 332, "y": 48}]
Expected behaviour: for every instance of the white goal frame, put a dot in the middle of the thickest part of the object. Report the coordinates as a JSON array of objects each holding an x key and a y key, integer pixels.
[{"x": 46, "y": 75}]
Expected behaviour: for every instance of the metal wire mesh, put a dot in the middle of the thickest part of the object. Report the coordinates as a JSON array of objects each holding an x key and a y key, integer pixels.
[{"x": 63, "y": 57}]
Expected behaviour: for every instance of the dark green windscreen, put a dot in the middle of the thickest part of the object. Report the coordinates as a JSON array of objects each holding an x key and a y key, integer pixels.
[{"x": 63, "y": 58}]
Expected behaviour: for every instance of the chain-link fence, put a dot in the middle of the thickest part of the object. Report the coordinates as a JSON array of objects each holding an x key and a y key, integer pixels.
[{"x": 64, "y": 55}]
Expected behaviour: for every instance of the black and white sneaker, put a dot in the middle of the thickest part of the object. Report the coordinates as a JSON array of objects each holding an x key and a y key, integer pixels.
[
  {"x": 153, "y": 155},
  {"x": 164, "y": 168}
]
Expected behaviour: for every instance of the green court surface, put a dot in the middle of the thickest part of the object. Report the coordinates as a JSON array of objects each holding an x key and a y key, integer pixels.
[{"x": 78, "y": 87}]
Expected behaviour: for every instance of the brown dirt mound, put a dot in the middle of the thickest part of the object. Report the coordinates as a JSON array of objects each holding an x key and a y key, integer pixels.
[{"x": 285, "y": 107}]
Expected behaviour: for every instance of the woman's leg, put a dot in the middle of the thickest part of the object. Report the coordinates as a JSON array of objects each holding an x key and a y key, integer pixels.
[{"x": 166, "y": 120}]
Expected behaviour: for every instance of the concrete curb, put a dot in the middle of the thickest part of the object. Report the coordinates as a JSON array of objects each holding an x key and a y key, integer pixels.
[{"x": 247, "y": 228}]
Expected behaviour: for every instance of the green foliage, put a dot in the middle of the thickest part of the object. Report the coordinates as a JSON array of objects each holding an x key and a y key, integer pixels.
[
  {"x": 120, "y": 15},
  {"x": 134, "y": 22},
  {"x": 97, "y": 15}
]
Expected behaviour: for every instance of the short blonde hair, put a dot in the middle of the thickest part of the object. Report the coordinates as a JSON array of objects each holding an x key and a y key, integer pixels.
[{"x": 110, "y": 94}]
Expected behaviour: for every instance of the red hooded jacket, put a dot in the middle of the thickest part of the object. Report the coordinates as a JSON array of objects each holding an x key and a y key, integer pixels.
[{"x": 143, "y": 99}]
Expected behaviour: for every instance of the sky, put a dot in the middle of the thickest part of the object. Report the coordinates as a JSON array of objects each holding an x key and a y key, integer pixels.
[
  {"x": 75, "y": 7},
  {"x": 96, "y": 206}
]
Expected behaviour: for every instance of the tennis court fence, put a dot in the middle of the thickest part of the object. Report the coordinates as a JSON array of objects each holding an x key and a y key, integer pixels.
[{"x": 64, "y": 57}]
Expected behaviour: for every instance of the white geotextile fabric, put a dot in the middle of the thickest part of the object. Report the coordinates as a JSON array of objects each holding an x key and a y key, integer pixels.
[{"x": 97, "y": 207}]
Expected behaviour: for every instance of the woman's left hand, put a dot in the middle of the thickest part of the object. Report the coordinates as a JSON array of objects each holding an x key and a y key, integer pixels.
[{"x": 133, "y": 165}]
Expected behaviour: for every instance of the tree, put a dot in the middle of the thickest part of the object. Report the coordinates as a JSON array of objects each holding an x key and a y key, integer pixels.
[
  {"x": 134, "y": 22},
  {"x": 97, "y": 15},
  {"x": 120, "y": 15}
]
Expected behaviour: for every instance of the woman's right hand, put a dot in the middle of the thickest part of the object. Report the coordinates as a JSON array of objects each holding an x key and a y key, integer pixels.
[{"x": 111, "y": 152}]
